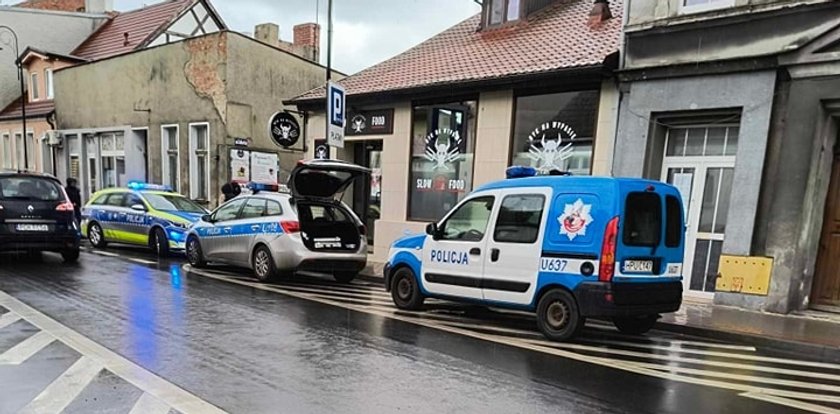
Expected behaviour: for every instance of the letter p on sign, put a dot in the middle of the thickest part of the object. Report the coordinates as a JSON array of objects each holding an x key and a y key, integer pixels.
[{"x": 336, "y": 115}]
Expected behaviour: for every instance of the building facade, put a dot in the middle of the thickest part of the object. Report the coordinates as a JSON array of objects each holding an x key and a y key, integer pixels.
[
  {"x": 735, "y": 102},
  {"x": 193, "y": 114},
  {"x": 522, "y": 82}
]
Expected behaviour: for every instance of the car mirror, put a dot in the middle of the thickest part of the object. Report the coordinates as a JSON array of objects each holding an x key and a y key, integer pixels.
[
  {"x": 207, "y": 218},
  {"x": 138, "y": 207},
  {"x": 432, "y": 230}
]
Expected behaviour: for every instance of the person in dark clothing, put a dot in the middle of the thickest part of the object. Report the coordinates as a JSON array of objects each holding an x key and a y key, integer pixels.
[
  {"x": 231, "y": 190},
  {"x": 75, "y": 197}
]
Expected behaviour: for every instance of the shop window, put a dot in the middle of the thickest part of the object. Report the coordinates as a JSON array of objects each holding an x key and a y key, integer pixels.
[
  {"x": 33, "y": 88},
  {"x": 200, "y": 161},
  {"x": 555, "y": 131},
  {"x": 443, "y": 141},
  {"x": 171, "y": 163},
  {"x": 48, "y": 79}
]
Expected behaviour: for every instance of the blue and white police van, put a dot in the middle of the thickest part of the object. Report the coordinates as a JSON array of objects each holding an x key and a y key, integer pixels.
[{"x": 564, "y": 247}]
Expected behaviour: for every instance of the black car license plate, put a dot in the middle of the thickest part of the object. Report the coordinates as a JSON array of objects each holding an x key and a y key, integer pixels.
[{"x": 32, "y": 228}]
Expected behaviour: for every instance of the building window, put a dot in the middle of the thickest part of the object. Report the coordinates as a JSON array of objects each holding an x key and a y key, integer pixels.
[
  {"x": 18, "y": 151},
  {"x": 171, "y": 160},
  {"x": 48, "y": 78},
  {"x": 200, "y": 161},
  {"x": 443, "y": 141},
  {"x": 697, "y": 6},
  {"x": 7, "y": 151},
  {"x": 46, "y": 156},
  {"x": 30, "y": 150},
  {"x": 112, "y": 150},
  {"x": 502, "y": 11},
  {"x": 33, "y": 87},
  {"x": 555, "y": 131}
]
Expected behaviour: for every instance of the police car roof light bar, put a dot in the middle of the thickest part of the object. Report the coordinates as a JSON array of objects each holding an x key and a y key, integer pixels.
[
  {"x": 257, "y": 187},
  {"x": 519, "y": 171},
  {"x": 139, "y": 185}
]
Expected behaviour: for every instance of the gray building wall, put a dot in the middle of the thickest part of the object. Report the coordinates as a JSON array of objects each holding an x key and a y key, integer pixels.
[
  {"x": 637, "y": 154},
  {"x": 226, "y": 79},
  {"x": 648, "y": 12},
  {"x": 57, "y": 32}
]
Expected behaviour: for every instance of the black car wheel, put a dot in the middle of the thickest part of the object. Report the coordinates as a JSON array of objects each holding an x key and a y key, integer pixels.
[
  {"x": 263, "y": 264},
  {"x": 405, "y": 291},
  {"x": 344, "y": 277},
  {"x": 96, "y": 236},
  {"x": 635, "y": 325},
  {"x": 558, "y": 317},
  {"x": 194, "y": 253},
  {"x": 70, "y": 255},
  {"x": 159, "y": 243}
]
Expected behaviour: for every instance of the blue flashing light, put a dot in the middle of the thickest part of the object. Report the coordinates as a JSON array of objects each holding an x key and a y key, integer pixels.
[
  {"x": 139, "y": 185},
  {"x": 176, "y": 236},
  {"x": 519, "y": 171},
  {"x": 257, "y": 187}
]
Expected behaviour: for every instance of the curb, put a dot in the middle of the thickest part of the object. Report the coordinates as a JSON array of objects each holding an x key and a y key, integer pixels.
[{"x": 816, "y": 352}]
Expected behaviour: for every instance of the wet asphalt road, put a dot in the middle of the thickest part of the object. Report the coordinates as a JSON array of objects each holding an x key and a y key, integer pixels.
[{"x": 312, "y": 346}]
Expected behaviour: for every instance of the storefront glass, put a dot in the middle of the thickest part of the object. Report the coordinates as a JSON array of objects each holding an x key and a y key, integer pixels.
[
  {"x": 443, "y": 142},
  {"x": 555, "y": 131}
]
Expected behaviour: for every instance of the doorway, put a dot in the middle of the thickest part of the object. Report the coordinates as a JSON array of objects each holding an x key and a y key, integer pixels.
[
  {"x": 700, "y": 161},
  {"x": 825, "y": 294},
  {"x": 367, "y": 194}
]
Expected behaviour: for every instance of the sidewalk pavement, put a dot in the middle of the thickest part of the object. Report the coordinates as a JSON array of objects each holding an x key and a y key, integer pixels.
[{"x": 812, "y": 335}]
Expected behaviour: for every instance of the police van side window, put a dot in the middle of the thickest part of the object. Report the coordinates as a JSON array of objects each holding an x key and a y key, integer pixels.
[
  {"x": 519, "y": 219},
  {"x": 469, "y": 222},
  {"x": 673, "y": 225},
  {"x": 643, "y": 219}
]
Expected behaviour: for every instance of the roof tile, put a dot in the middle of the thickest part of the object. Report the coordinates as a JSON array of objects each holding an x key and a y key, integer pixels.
[
  {"x": 140, "y": 24},
  {"x": 554, "y": 38}
]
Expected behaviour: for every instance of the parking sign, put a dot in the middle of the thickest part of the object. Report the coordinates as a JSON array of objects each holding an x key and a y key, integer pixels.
[{"x": 335, "y": 115}]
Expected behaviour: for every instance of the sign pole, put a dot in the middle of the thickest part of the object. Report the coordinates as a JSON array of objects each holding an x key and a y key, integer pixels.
[{"x": 331, "y": 154}]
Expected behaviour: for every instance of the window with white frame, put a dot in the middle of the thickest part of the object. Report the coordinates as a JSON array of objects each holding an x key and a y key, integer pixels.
[
  {"x": 171, "y": 164},
  {"x": 30, "y": 150},
  {"x": 696, "y": 6},
  {"x": 48, "y": 79},
  {"x": 502, "y": 11},
  {"x": 33, "y": 87},
  {"x": 200, "y": 161},
  {"x": 18, "y": 151},
  {"x": 7, "y": 151}
]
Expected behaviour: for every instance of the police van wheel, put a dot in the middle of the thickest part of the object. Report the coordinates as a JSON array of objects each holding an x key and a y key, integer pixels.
[
  {"x": 159, "y": 243},
  {"x": 344, "y": 277},
  {"x": 404, "y": 290},
  {"x": 557, "y": 315},
  {"x": 194, "y": 253},
  {"x": 264, "y": 269},
  {"x": 95, "y": 236},
  {"x": 635, "y": 325}
]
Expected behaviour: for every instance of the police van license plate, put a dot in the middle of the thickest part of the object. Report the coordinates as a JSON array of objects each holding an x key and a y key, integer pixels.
[
  {"x": 638, "y": 266},
  {"x": 32, "y": 227}
]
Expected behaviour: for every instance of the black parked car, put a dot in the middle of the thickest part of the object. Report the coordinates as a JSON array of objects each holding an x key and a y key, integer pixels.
[{"x": 36, "y": 215}]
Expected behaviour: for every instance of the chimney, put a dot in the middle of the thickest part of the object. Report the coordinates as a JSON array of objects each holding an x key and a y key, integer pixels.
[
  {"x": 307, "y": 36},
  {"x": 99, "y": 6},
  {"x": 268, "y": 33},
  {"x": 600, "y": 13}
]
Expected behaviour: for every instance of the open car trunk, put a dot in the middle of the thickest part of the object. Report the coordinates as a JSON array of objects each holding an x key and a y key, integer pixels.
[{"x": 326, "y": 227}]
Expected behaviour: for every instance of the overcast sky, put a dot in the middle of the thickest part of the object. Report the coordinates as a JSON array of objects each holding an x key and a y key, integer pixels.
[{"x": 366, "y": 31}]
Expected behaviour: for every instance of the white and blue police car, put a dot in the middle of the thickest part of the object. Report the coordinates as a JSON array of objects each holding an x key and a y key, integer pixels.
[
  {"x": 564, "y": 247},
  {"x": 277, "y": 233}
]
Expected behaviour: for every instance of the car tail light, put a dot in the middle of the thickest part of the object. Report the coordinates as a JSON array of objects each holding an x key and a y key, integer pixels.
[
  {"x": 607, "y": 269},
  {"x": 362, "y": 230},
  {"x": 65, "y": 206},
  {"x": 290, "y": 226}
]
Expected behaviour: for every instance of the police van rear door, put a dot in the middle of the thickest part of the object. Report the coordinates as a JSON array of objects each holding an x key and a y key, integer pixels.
[{"x": 453, "y": 262}]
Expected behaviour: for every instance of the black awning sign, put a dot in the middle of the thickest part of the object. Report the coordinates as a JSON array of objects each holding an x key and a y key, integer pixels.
[
  {"x": 372, "y": 122},
  {"x": 284, "y": 129}
]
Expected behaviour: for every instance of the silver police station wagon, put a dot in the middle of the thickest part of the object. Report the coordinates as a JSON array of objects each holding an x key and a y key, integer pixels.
[{"x": 276, "y": 234}]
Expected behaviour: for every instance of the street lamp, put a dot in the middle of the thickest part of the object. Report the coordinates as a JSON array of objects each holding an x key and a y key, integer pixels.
[{"x": 19, "y": 64}]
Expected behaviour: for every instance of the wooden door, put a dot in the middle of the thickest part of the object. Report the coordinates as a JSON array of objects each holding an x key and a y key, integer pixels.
[{"x": 826, "y": 290}]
